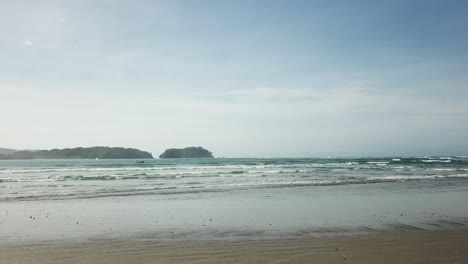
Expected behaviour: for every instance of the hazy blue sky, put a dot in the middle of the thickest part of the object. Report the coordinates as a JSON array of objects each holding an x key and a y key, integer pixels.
[{"x": 241, "y": 78}]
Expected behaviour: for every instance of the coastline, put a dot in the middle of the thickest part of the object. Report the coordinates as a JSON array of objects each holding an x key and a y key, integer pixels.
[
  {"x": 448, "y": 246},
  {"x": 239, "y": 215},
  {"x": 233, "y": 211}
]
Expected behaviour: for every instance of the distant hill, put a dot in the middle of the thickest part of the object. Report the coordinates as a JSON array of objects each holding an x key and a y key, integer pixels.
[
  {"x": 80, "y": 153},
  {"x": 187, "y": 153},
  {"x": 4, "y": 151}
]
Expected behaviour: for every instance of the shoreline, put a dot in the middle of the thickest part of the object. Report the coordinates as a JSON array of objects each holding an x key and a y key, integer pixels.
[
  {"x": 399, "y": 221},
  {"x": 447, "y": 246},
  {"x": 245, "y": 215}
]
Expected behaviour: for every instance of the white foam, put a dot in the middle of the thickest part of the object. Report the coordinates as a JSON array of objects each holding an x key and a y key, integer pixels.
[
  {"x": 444, "y": 169},
  {"x": 445, "y": 158},
  {"x": 433, "y": 160},
  {"x": 378, "y": 163}
]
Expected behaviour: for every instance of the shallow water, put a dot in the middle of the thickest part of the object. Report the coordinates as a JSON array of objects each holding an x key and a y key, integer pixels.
[
  {"x": 77, "y": 179},
  {"x": 228, "y": 199}
]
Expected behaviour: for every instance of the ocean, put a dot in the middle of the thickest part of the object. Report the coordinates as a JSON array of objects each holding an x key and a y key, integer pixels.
[
  {"x": 78, "y": 179},
  {"x": 231, "y": 197}
]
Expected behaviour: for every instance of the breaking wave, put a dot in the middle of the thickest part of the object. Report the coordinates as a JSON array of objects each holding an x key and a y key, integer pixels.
[{"x": 42, "y": 180}]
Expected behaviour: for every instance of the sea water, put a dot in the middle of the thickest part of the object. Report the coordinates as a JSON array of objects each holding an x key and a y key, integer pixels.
[
  {"x": 78, "y": 179},
  {"x": 228, "y": 198}
]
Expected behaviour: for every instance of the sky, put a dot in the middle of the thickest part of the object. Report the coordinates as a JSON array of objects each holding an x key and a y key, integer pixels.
[{"x": 241, "y": 78}]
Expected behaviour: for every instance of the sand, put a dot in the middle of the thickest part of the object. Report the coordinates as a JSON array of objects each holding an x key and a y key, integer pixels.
[
  {"x": 407, "y": 247},
  {"x": 406, "y": 222},
  {"x": 254, "y": 214}
]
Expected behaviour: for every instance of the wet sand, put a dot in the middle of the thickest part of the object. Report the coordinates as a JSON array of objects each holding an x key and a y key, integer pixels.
[
  {"x": 378, "y": 223},
  {"x": 295, "y": 213},
  {"x": 408, "y": 247}
]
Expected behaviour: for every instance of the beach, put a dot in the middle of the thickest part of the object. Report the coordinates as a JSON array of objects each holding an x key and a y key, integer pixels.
[
  {"x": 187, "y": 131},
  {"x": 234, "y": 211},
  {"x": 419, "y": 247}
]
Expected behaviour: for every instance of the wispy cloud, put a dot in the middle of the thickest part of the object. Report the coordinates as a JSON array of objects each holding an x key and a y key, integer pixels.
[{"x": 27, "y": 43}]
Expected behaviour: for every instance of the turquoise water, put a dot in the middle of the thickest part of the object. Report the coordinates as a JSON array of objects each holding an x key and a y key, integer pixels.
[{"x": 79, "y": 179}]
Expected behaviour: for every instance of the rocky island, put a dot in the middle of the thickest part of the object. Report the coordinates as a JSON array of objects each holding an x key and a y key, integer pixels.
[
  {"x": 79, "y": 153},
  {"x": 187, "y": 153},
  {"x": 4, "y": 151}
]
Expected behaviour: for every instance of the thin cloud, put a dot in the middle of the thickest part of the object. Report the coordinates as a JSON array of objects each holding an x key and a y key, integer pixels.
[{"x": 27, "y": 43}]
